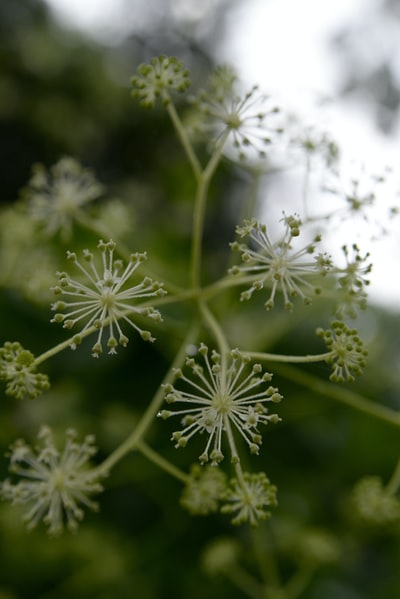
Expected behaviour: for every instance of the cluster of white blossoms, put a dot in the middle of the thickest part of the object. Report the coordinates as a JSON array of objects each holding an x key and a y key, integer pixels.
[
  {"x": 227, "y": 394},
  {"x": 18, "y": 370},
  {"x": 348, "y": 355},
  {"x": 157, "y": 78},
  {"x": 277, "y": 265},
  {"x": 54, "y": 484},
  {"x": 250, "y": 499},
  {"x": 352, "y": 281},
  {"x": 55, "y": 198},
  {"x": 104, "y": 299},
  {"x": 249, "y": 119},
  {"x": 372, "y": 505},
  {"x": 203, "y": 492}
]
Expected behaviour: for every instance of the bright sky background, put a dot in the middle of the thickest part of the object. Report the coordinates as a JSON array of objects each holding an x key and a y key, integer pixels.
[{"x": 282, "y": 45}]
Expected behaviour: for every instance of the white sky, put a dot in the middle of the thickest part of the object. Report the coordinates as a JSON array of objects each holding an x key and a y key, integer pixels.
[{"x": 282, "y": 45}]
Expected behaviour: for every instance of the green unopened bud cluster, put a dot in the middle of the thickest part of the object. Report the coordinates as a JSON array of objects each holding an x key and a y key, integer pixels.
[
  {"x": 157, "y": 78},
  {"x": 348, "y": 355},
  {"x": 18, "y": 370}
]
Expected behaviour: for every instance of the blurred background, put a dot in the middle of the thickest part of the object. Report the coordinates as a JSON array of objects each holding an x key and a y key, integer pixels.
[{"x": 65, "y": 67}]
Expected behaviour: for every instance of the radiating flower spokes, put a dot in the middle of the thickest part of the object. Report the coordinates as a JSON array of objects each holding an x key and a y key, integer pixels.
[
  {"x": 277, "y": 264},
  {"x": 103, "y": 301},
  {"x": 224, "y": 396},
  {"x": 347, "y": 353},
  {"x": 55, "y": 198},
  {"x": 54, "y": 484},
  {"x": 249, "y": 119},
  {"x": 250, "y": 499}
]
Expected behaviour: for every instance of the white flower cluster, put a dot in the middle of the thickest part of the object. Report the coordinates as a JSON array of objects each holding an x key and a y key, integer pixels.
[
  {"x": 18, "y": 370},
  {"x": 155, "y": 79},
  {"x": 277, "y": 265},
  {"x": 103, "y": 300},
  {"x": 225, "y": 395},
  {"x": 54, "y": 484}
]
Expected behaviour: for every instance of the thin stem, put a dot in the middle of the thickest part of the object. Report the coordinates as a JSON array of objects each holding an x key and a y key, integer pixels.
[
  {"x": 394, "y": 483},
  {"x": 245, "y": 582},
  {"x": 161, "y": 462},
  {"x": 183, "y": 138},
  {"x": 215, "y": 328},
  {"x": 309, "y": 358},
  {"x": 350, "y": 398},
  {"x": 199, "y": 212},
  {"x": 148, "y": 416}
]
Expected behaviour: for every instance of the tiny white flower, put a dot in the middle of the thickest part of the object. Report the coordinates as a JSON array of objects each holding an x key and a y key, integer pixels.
[
  {"x": 250, "y": 498},
  {"x": 223, "y": 396},
  {"x": 204, "y": 490},
  {"x": 250, "y": 119},
  {"x": 277, "y": 265},
  {"x": 106, "y": 298},
  {"x": 56, "y": 197},
  {"x": 54, "y": 484}
]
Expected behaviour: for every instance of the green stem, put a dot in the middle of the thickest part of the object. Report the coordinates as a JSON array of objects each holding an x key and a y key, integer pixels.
[
  {"x": 183, "y": 138},
  {"x": 299, "y": 582},
  {"x": 151, "y": 412},
  {"x": 199, "y": 211},
  {"x": 292, "y": 359},
  {"x": 245, "y": 582},
  {"x": 394, "y": 483},
  {"x": 161, "y": 462},
  {"x": 350, "y": 398},
  {"x": 215, "y": 328}
]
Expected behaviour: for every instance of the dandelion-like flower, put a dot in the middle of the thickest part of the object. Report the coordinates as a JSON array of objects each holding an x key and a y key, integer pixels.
[
  {"x": 360, "y": 191},
  {"x": 56, "y": 197},
  {"x": 54, "y": 484},
  {"x": 104, "y": 301},
  {"x": 277, "y": 264},
  {"x": 352, "y": 281},
  {"x": 250, "y": 119},
  {"x": 348, "y": 355},
  {"x": 250, "y": 498},
  {"x": 18, "y": 370},
  {"x": 156, "y": 79},
  {"x": 225, "y": 395},
  {"x": 204, "y": 490}
]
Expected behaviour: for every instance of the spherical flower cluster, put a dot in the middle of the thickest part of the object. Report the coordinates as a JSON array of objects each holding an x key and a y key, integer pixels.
[
  {"x": 249, "y": 119},
  {"x": 250, "y": 498},
  {"x": 347, "y": 352},
  {"x": 18, "y": 370},
  {"x": 55, "y": 198},
  {"x": 372, "y": 505},
  {"x": 352, "y": 281},
  {"x": 277, "y": 265},
  {"x": 104, "y": 301},
  {"x": 225, "y": 395},
  {"x": 203, "y": 492},
  {"x": 156, "y": 79},
  {"x": 54, "y": 484}
]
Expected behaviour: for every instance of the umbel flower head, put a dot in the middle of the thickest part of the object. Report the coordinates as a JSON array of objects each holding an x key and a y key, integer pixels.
[
  {"x": 156, "y": 79},
  {"x": 227, "y": 394},
  {"x": 204, "y": 490},
  {"x": 105, "y": 299},
  {"x": 54, "y": 484},
  {"x": 18, "y": 370},
  {"x": 248, "y": 119},
  {"x": 277, "y": 264},
  {"x": 56, "y": 197},
  {"x": 372, "y": 505},
  {"x": 347, "y": 353},
  {"x": 250, "y": 498},
  {"x": 352, "y": 281}
]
